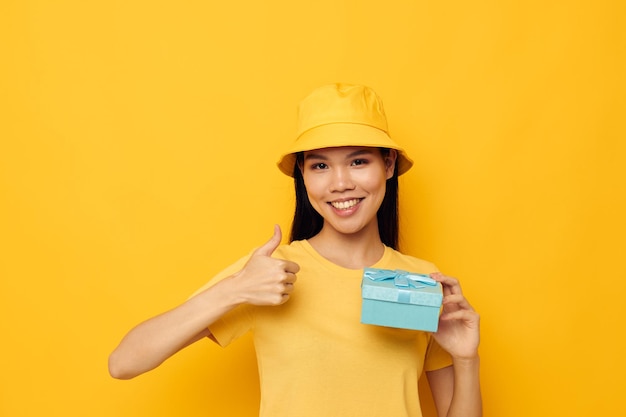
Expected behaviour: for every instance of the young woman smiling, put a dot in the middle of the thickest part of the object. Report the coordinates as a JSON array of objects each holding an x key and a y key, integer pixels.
[{"x": 315, "y": 357}]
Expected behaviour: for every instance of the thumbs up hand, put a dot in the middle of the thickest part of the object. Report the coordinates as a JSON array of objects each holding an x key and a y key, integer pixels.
[{"x": 265, "y": 280}]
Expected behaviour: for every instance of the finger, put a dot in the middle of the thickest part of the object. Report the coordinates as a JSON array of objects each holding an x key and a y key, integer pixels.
[
  {"x": 288, "y": 288},
  {"x": 450, "y": 285},
  {"x": 291, "y": 267},
  {"x": 464, "y": 315},
  {"x": 457, "y": 299},
  {"x": 439, "y": 277},
  {"x": 290, "y": 278},
  {"x": 270, "y": 246}
]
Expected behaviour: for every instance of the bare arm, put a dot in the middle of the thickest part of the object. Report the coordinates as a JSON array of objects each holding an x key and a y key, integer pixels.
[
  {"x": 456, "y": 389},
  {"x": 150, "y": 343},
  {"x": 262, "y": 281}
]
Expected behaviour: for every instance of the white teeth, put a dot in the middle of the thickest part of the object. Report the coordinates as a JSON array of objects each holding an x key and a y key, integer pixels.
[{"x": 344, "y": 205}]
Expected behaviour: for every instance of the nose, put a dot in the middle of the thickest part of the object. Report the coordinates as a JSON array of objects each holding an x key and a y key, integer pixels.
[{"x": 341, "y": 180}]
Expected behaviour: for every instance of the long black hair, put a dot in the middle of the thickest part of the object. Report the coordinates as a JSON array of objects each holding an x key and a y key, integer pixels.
[{"x": 307, "y": 222}]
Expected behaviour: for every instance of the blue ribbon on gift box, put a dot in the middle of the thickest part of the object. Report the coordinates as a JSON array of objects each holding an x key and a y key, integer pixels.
[
  {"x": 404, "y": 281},
  {"x": 401, "y": 279}
]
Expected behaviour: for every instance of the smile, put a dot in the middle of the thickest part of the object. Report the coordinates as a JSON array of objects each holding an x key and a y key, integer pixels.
[{"x": 345, "y": 205}]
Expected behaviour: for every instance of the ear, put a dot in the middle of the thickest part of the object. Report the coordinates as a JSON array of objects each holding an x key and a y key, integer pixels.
[{"x": 390, "y": 162}]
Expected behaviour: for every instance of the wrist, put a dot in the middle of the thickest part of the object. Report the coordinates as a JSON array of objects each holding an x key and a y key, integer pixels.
[
  {"x": 466, "y": 361},
  {"x": 227, "y": 293},
  {"x": 222, "y": 297}
]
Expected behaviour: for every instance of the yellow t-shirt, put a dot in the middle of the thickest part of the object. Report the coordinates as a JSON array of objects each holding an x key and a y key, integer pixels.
[{"x": 315, "y": 357}]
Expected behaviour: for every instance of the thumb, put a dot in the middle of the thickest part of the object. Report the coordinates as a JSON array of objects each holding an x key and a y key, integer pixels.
[{"x": 270, "y": 246}]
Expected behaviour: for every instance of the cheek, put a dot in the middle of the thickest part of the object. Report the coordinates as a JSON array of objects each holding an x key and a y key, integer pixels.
[
  {"x": 313, "y": 188},
  {"x": 374, "y": 184},
  {"x": 308, "y": 184},
  {"x": 381, "y": 190}
]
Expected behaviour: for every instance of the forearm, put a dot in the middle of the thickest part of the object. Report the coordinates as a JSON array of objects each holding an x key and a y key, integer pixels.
[
  {"x": 466, "y": 397},
  {"x": 263, "y": 280},
  {"x": 150, "y": 343}
]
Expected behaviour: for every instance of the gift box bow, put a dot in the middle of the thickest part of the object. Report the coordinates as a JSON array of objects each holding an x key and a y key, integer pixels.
[
  {"x": 401, "y": 279},
  {"x": 405, "y": 284}
]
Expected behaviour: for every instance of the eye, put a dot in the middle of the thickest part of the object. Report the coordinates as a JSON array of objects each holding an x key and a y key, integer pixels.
[
  {"x": 358, "y": 162},
  {"x": 319, "y": 165}
]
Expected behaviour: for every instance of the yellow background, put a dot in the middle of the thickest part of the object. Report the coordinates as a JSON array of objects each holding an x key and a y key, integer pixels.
[{"x": 137, "y": 150}]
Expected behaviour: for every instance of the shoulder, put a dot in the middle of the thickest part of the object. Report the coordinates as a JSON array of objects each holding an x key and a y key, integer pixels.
[
  {"x": 399, "y": 260},
  {"x": 292, "y": 251}
]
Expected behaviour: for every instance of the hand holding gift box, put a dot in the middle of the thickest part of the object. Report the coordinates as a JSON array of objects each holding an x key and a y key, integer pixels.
[{"x": 400, "y": 299}]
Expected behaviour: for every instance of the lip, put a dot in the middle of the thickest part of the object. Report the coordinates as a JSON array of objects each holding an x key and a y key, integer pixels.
[{"x": 345, "y": 206}]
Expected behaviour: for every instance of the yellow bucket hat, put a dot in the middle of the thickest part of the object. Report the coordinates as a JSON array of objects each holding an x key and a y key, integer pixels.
[{"x": 341, "y": 115}]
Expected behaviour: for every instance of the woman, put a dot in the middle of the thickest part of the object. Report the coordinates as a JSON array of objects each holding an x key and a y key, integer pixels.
[{"x": 315, "y": 357}]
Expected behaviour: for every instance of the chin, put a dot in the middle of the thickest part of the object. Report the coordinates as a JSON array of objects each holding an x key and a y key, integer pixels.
[{"x": 349, "y": 229}]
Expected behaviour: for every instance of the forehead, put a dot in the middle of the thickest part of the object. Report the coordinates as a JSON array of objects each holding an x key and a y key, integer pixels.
[{"x": 341, "y": 152}]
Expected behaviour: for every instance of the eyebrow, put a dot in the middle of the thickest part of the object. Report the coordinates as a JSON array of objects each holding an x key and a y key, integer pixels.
[{"x": 350, "y": 155}]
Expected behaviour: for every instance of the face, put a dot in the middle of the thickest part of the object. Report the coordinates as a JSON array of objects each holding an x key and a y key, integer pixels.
[{"x": 346, "y": 185}]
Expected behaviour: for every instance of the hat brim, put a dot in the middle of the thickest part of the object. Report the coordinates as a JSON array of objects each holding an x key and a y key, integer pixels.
[{"x": 335, "y": 135}]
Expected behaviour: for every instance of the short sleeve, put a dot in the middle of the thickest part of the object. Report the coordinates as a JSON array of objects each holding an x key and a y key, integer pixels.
[
  {"x": 436, "y": 356},
  {"x": 236, "y": 322},
  {"x": 232, "y": 325},
  {"x": 222, "y": 274}
]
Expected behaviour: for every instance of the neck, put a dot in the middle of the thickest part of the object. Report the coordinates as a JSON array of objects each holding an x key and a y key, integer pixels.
[{"x": 353, "y": 251}]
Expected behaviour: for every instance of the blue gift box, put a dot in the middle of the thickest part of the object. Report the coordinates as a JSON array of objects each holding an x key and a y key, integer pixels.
[{"x": 400, "y": 299}]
